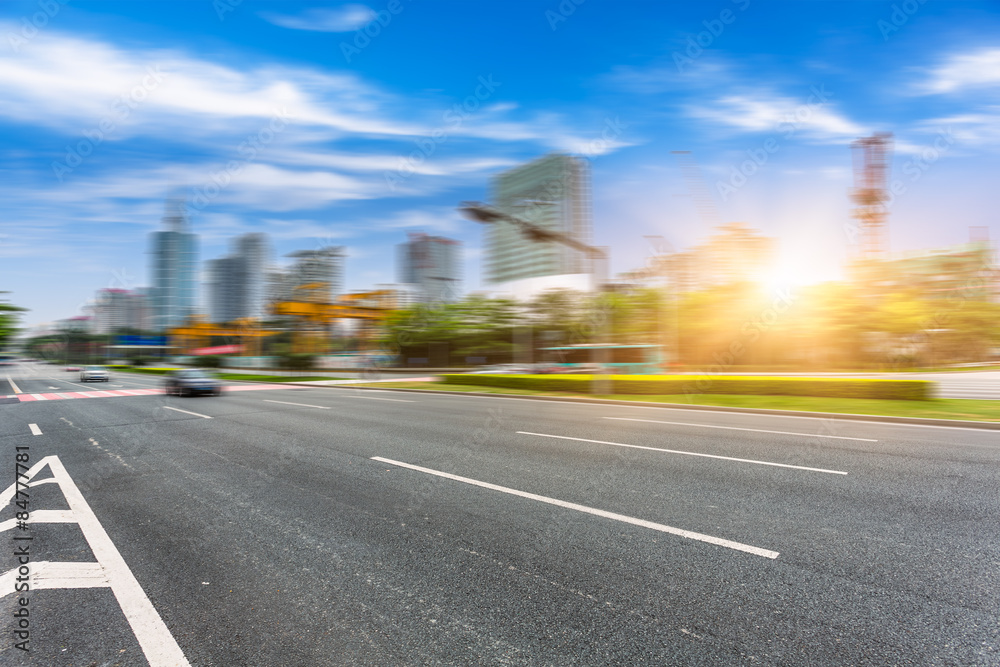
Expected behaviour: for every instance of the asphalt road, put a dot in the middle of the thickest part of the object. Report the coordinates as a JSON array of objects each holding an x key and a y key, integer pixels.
[{"x": 257, "y": 529}]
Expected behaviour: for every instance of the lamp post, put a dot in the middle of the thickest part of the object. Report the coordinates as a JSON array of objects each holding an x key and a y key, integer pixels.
[
  {"x": 486, "y": 214},
  {"x": 675, "y": 344}
]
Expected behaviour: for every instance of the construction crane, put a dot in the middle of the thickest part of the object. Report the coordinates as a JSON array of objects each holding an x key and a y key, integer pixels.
[
  {"x": 872, "y": 156},
  {"x": 315, "y": 316}
]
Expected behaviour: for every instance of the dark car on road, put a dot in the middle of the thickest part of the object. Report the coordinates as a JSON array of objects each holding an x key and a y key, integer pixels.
[{"x": 192, "y": 381}]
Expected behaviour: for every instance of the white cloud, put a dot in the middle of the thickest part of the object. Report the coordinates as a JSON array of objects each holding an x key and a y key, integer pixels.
[
  {"x": 340, "y": 19},
  {"x": 961, "y": 71},
  {"x": 771, "y": 113},
  {"x": 438, "y": 219}
]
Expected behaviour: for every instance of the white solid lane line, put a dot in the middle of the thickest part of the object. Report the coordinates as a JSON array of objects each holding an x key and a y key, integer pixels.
[
  {"x": 109, "y": 570},
  {"x": 676, "y": 451},
  {"x": 590, "y": 510},
  {"x": 736, "y": 428},
  {"x": 155, "y": 639},
  {"x": 167, "y": 407},
  {"x": 301, "y": 405},
  {"x": 13, "y": 386},
  {"x": 375, "y": 398},
  {"x": 34, "y": 429}
]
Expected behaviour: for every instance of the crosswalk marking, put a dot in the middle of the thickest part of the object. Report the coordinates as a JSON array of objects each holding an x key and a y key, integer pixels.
[
  {"x": 110, "y": 569},
  {"x": 124, "y": 393}
]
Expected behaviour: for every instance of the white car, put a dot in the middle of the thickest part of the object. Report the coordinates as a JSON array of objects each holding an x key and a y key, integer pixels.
[{"x": 95, "y": 373}]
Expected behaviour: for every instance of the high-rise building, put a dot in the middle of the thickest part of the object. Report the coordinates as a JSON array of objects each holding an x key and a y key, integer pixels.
[
  {"x": 174, "y": 269},
  {"x": 433, "y": 265},
  {"x": 552, "y": 192},
  {"x": 237, "y": 283},
  {"x": 316, "y": 275},
  {"x": 117, "y": 309}
]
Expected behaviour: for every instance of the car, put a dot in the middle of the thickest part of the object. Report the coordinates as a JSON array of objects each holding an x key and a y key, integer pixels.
[
  {"x": 191, "y": 381},
  {"x": 95, "y": 373},
  {"x": 72, "y": 369}
]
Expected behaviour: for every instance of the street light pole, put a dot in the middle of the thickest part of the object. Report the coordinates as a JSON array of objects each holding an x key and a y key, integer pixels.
[
  {"x": 483, "y": 213},
  {"x": 675, "y": 329}
]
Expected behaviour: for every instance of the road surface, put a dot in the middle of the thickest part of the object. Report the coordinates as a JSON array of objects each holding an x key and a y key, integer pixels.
[{"x": 331, "y": 526}]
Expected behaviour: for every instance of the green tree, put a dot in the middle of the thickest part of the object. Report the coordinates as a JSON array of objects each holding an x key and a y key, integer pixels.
[{"x": 8, "y": 320}]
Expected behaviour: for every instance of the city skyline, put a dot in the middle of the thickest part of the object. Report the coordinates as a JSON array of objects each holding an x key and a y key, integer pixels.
[{"x": 373, "y": 145}]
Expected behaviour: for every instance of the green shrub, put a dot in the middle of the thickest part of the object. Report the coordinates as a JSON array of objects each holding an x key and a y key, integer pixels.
[
  {"x": 298, "y": 361},
  {"x": 914, "y": 390},
  {"x": 210, "y": 361}
]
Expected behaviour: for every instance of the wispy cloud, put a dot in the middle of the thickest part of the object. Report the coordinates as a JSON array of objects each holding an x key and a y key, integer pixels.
[
  {"x": 963, "y": 71},
  {"x": 764, "y": 112},
  {"x": 338, "y": 19}
]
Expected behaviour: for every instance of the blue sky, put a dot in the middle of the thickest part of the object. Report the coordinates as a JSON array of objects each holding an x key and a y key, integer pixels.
[{"x": 319, "y": 133}]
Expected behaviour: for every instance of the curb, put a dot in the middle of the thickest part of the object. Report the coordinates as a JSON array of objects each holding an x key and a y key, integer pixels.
[{"x": 917, "y": 421}]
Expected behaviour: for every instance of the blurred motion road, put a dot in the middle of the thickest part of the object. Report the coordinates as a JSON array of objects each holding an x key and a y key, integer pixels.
[{"x": 319, "y": 526}]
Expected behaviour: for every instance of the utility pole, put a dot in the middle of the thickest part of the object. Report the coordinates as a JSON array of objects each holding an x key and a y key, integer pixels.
[{"x": 483, "y": 213}]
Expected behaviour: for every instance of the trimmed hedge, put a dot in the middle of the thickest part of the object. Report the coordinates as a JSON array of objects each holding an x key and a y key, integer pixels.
[
  {"x": 147, "y": 371},
  {"x": 909, "y": 390}
]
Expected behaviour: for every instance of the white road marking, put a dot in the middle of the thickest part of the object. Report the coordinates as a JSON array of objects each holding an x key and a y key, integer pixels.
[
  {"x": 376, "y": 398},
  {"x": 736, "y": 428},
  {"x": 675, "y": 451},
  {"x": 590, "y": 510},
  {"x": 38, "y": 397},
  {"x": 34, "y": 429},
  {"x": 167, "y": 407},
  {"x": 301, "y": 405},
  {"x": 13, "y": 386},
  {"x": 54, "y": 574},
  {"x": 41, "y": 516},
  {"x": 110, "y": 570}
]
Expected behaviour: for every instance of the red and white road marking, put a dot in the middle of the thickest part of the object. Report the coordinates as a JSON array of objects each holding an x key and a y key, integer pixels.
[{"x": 112, "y": 393}]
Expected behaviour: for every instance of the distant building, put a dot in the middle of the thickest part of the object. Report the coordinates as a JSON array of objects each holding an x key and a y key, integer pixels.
[
  {"x": 734, "y": 253},
  {"x": 315, "y": 275},
  {"x": 432, "y": 264},
  {"x": 967, "y": 271},
  {"x": 78, "y": 324},
  {"x": 552, "y": 192},
  {"x": 174, "y": 268},
  {"x": 401, "y": 295},
  {"x": 117, "y": 309},
  {"x": 238, "y": 283}
]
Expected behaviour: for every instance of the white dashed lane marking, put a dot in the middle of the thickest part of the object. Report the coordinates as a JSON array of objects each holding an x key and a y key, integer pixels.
[{"x": 718, "y": 541}]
